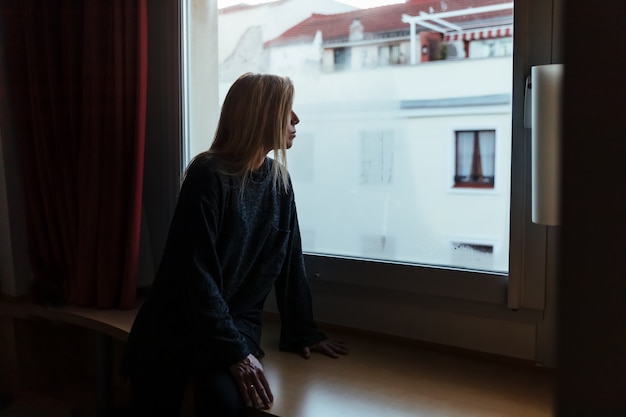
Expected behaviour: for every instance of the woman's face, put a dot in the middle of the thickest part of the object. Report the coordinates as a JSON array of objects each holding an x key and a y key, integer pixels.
[{"x": 292, "y": 121}]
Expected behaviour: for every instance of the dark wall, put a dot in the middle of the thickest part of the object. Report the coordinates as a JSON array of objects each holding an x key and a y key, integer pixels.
[
  {"x": 163, "y": 131},
  {"x": 591, "y": 352}
]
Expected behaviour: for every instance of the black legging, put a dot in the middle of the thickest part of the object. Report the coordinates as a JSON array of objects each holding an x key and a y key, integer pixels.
[{"x": 159, "y": 391}]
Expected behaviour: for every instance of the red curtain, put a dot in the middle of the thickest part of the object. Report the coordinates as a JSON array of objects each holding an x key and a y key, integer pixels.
[{"x": 77, "y": 77}]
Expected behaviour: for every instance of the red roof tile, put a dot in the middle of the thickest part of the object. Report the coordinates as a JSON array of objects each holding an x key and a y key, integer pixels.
[
  {"x": 387, "y": 19},
  {"x": 245, "y": 6}
]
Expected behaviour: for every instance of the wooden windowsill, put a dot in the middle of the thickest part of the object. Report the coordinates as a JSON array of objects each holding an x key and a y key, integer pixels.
[{"x": 381, "y": 376}]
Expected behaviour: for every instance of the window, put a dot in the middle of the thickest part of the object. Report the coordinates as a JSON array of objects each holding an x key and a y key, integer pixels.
[
  {"x": 376, "y": 158},
  {"x": 390, "y": 55},
  {"x": 491, "y": 48},
  {"x": 475, "y": 159},
  {"x": 356, "y": 30},
  {"x": 370, "y": 164},
  {"x": 341, "y": 58},
  {"x": 406, "y": 226}
]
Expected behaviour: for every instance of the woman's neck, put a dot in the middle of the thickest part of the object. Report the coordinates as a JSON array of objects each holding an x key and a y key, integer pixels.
[{"x": 258, "y": 163}]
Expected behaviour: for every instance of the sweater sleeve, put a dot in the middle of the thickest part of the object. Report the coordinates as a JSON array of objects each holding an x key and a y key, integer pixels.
[
  {"x": 209, "y": 324},
  {"x": 293, "y": 296}
]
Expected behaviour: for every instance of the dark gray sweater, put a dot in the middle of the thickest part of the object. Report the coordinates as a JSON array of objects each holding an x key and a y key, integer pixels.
[{"x": 224, "y": 253}]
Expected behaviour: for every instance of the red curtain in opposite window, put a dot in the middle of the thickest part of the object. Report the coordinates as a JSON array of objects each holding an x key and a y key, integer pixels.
[{"x": 77, "y": 77}]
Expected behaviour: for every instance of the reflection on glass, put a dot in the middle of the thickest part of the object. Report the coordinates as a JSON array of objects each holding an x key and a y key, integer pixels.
[{"x": 403, "y": 150}]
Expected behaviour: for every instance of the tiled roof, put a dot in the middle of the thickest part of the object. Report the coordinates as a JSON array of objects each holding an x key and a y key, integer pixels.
[
  {"x": 245, "y": 6},
  {"x": 386, "y": 19}
]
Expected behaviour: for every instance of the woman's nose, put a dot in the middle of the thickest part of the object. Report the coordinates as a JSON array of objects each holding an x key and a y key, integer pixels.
[{"x": 294, "y": 118}]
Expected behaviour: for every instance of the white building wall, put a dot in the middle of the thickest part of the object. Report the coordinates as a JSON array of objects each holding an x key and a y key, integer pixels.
[{"x": 418, "y": 215}]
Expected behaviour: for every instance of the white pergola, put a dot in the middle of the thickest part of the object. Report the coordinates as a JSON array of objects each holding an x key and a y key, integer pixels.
[{"x": 438, "y": 22}]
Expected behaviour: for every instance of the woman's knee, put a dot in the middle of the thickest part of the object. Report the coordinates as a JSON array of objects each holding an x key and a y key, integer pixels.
[
  {"x": 157, "y": 391},
  {"x": 217, "y": 394}
]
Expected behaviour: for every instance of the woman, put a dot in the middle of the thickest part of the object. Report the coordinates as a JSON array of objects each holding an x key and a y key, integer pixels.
[{"x": 234, "y": 236}]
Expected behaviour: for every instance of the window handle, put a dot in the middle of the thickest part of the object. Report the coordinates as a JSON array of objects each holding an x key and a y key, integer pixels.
[{"x": 545, "y": 87}]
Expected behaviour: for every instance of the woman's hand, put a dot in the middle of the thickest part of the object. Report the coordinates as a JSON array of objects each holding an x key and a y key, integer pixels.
[
  {"x": 253, "y": 386},
  {"x": 328, "y": 347}
]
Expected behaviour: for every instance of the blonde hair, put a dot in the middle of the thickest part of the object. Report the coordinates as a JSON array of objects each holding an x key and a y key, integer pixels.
[{"x": 253, "y": 121}]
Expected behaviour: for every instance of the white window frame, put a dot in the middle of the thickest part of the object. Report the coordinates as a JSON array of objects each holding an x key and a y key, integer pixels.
[{"x": 518, "y": 296}]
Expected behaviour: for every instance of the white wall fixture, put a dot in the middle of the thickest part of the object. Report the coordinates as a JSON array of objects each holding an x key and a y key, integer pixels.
[{"x": 546, "y": 143}]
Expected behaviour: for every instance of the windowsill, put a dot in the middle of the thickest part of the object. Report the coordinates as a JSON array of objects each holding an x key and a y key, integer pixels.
[
  {"x": 474, "y": 186},
  {"x": 478, "y": 293},
  {"x": 475, "y": 190}
]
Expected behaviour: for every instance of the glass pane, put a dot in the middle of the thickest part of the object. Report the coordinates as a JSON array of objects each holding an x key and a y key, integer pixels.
[{"x": 393, "y": 101}]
